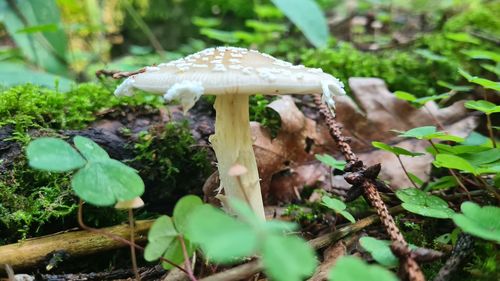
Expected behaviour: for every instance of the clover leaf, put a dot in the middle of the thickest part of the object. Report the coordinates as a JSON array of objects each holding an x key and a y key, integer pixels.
[
  {"x": 53, "y": 155},
  {"x": 479, "y": 221},
  {"x": 379, "y": 250},
  {"x": 351, "y": 268},
  {"x": 421, "y": 203},
  {"x": 163, "y": 237},
  {"x": 226, "y": 239},
  {"x": 100, "y": 180},
  {"x": 454, "y": 162},
  {"x": 395, "y": 150},
  {"x": 483, "y": 106},
  {"x": 287, "y": 258},
  {"x": 428, "y": 133},
  {"x": 485, "y": 83},
  {"x": 330, "y": 161},
  {"x": 220, "y": 236},
  {"x": 338, "y": 206},
  {"x": 418, "y": 101},
  {"x": 105, "y": 182}
]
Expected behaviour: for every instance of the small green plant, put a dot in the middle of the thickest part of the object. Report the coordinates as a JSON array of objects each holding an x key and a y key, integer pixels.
[
  {"x": 100, "y": 180},
  {"x": 428, "y": 133},
  {"x": 331, "y": 162},
  {"x": 479, "y": 221},
  {"x": 167, "y": 234},
  {"x": 380, "y": 251},
  {"x": 353, "y": 269},
  {"x": 419, "y": 202},
  {"x": 225, "y": 239},
  {"x": 398, "y": 151},
  {"x": 338, "y": 206}
]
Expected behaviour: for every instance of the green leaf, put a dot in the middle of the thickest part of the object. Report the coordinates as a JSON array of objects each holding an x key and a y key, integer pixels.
[
  {"x": 12, "y": 74},
  {"x": 419, "y": 202},
  {"x": 483, "y": 106},
  {"x": 395, "y": 150},
  {"x": 279, "y": 227},
  {"x": 492, "y": 68},
  {"x": 308, "y": 17},
  {"x": 45, "y": 48},
  {"x": 39, "y": 28},
  {"x": 338, "y": 206},
  {"x": 481, "y": 222},
  {"x": 222, "y": 238},
  {"x": 453, "y": 162},
  {"x": 89, "y": 149},
  {"x": 405, "y": 96},
  {"x": 485, "y": 83},
  {"x": 483, "y": 54},
  {"x": 183, "y": 209},
  {"x": 380, "y": 251},
  {"x": 456, "y": 88},
  {"x": 349, "y": 268},
  {"x": 462, "y": 37},
  {"x": 220, "y": 35},
  {"x": 54, "y": 155},
  {"x": 419, "y": 132},
  {"x": 206, "y": 22},
  {"x": 104, "y": 182},
  {"x": 332, "y": 203},
  {"x": 442, "y": 183},
  {"x": 476, "y": 139},
  {"x": 477, "y": 159},
  {"x": 424, "y": 100},
  {"x": 416, "y": 179},
  {"x": 245, "y": 214},
  {"x": 288, "y": 258},
  {"x": 429, "y": 133},
  {"x": 163, "y": 241},
  {"x": 348, "y": 216},
  {"x": 330, "y": 161},
  {"x": 428, "y": 54}
]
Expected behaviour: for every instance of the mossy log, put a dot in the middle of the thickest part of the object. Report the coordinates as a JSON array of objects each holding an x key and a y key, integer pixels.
[{"x": 33, "y": 252}]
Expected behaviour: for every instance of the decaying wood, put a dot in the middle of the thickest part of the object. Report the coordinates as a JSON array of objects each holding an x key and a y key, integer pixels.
[
  {"x": 330, "y": 257},
  {"x": 462, "y": 250},
  {"x": 32, "y": 252},
  {"x": 146, "y": 273}
]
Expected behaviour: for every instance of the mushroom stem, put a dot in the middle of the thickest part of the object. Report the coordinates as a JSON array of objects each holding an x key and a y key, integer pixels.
[{"x": 232, "y": 143}]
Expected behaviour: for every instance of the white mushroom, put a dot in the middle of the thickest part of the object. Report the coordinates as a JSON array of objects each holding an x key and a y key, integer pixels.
[{"x": 232, "y": 74}]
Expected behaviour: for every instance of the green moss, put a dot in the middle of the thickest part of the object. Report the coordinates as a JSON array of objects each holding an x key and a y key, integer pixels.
[
  {"x": 267, "y": 117},
  {"x": 29, "y": 106},
  {"x": 401, "y": 70},
  {"x": 33, "y": 202},
  {"x": 169, "y": 161},
  {"x": 479, "y": 17},
  {"x": 484, "y": 265}
]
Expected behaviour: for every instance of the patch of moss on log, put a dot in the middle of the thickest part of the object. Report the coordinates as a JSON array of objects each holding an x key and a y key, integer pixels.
[{"x": 34, "y": 203}]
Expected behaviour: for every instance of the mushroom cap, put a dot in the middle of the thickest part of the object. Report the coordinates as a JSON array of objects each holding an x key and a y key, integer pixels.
[
  {"x": 130, "y": 204},
  {"x": 231, "y": 71}
]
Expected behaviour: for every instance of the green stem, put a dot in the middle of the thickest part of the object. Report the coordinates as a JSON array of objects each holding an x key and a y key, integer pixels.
[
  {"x": 490, "y": 130},
  {"x": 406, "y": 172},
  {"x": 132, "y": 241}
]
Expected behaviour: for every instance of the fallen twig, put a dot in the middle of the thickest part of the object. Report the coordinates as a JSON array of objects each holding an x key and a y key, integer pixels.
[
  {"x": 31, "y": 252},
  {"x": 360, "y": 176}
]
